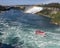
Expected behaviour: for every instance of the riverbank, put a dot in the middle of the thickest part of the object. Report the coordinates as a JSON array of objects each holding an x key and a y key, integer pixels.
[{"x": 54, "y": 15}]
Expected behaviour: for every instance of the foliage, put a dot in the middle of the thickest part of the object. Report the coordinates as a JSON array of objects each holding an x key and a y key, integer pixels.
[
  {"x": 55, "y": 5},
  {"x": 56, "y": 18}
]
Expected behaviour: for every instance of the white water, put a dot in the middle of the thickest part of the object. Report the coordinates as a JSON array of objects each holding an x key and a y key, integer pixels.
[
  {"x": 33, "y": 10},
  {"x": 28, "y": 36},
  {"x": 22, "y": 34}
]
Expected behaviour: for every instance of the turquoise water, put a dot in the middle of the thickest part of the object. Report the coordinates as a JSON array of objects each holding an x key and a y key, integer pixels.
[{"x": 18, "y": 29}]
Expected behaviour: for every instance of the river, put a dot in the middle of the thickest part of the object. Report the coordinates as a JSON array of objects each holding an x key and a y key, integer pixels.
[{"x": 18, "y": 29}]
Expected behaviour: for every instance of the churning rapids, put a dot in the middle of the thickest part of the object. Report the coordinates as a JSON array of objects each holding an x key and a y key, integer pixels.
[{"x": 18, "y": 29}]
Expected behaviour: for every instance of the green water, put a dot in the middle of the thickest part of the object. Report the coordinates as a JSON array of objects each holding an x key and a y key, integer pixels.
[{"x": 18, "y": 29}]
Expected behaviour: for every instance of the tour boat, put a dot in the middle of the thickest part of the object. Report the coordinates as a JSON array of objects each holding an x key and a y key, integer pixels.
[{"x": 38, "y": 32}]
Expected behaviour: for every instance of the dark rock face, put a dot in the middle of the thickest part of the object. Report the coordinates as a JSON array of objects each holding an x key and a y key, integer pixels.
[
  {"x": 2, "y": 8},
  {"x": 5, "y": 8}
]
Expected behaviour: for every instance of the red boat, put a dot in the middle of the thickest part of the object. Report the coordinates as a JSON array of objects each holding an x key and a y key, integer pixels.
[{"x": 38, "y": 32}]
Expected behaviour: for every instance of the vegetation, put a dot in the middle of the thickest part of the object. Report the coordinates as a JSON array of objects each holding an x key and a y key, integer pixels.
[
  {"x": 55, "y": 5},
  {"x": 44, "y": 12},
  {"x": 56, "y": 18},
  {"x": 52, "y": 10},
  {"x": 54, "y": 15}
]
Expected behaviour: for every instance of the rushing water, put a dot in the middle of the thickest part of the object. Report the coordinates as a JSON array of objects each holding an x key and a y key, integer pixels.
[{"x": 18, "y": 29}]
